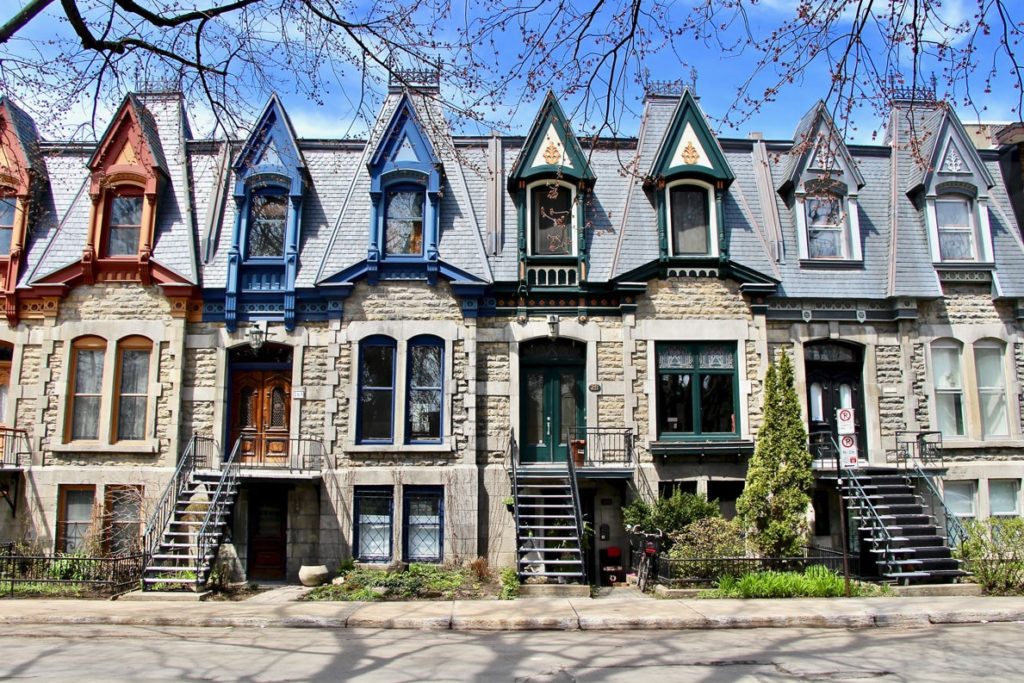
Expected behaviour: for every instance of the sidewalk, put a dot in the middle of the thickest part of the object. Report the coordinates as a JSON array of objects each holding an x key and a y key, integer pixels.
[{"x": 525, "y": 615}]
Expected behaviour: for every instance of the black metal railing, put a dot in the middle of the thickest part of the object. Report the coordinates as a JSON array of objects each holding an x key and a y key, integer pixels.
[
  {"x": 823, "y": 450},
  {"x": 869, "y": 520},
  {"x": 15, "y": 447},
  {"x": 68, "y": 575},
  {"x": 709, "y": 570},
  {"x": 512, "y": 455},
  {"x": 301, "y": 454},
  {"x": 574, "y": 486},
  {"x": 922, "y": 447},
  {"x": 208, "y": 538},
  {"x": 914, "y": 449},
  {"x": 199, "y": 453},
  {"x": 602, "y": 447}
]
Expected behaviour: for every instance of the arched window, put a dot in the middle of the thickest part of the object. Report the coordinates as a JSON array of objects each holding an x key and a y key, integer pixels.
[
  {"x": 552, "y": 219},
  {"x": 403, "y": 222},
  {"x": 132, "y": 385},
  {"x": 86, "y": 389},
  {"x": 949, "y": 390},
  {"x": 376, "y": 390},
  {"x": 268, "y": 213},
  {"x": 689, "y": 218},
  {"x": 124, "y": 221},
  {"x": 424, "y": 396}
]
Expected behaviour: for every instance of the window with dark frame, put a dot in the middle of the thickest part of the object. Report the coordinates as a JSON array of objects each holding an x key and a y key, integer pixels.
[
  {"x": 403, "y": 223},
  {"x": 8, "y": 203},
  {"x": 697, "y": 385},
  {"x": 86, "y": 388},
  {"x": 74, "y": 517},
  {"x": 376, "y": 390},
  {"x": 423, "y": 526},
  {"x": 425, "y": 391},
  {"x": 374, "y": 514},
  {"x": 268, "y": 213},
  {"x": 133, "y": 356},
  {"x": 124, "y": 223},
  {"x": 551, "y": 218},
  {"x": 691, "y": 219}
]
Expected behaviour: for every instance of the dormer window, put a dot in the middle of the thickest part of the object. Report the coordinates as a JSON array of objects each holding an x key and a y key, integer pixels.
[
  {"x": 403, "y": 223},
  {"x": 826, "y": 227},
  {"x": 124, "y": 223},
  {"x": 689, "y": 213},
  {"x": 954, "y": 221},
  {"x": 268, "y": 212},
  {"x": 7, "y": 205},
  {"x": 551, "y": 219}
]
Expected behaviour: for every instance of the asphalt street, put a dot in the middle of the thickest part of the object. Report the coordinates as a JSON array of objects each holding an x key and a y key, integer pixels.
[{"x": 989, "y": 652}]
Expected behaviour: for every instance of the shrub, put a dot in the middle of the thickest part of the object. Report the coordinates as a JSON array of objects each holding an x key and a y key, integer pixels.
[
  {"x": 994, "y": 552},
  {"x": 509, "y": 584},
  {"x": 672, "y": 514},
  {"x": 710, "y": 537},
  {"x": 424, "y": 581},
  {"x": 480, "y": 569},
  {"x": 815, "y": 582}
]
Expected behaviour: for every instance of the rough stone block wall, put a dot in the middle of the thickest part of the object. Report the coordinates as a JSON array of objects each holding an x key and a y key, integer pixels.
[
  {"x": 166, "y": 405},
  {"x": 610, "y": 412},
  {"x": 460, "y": 389},
  {"x": 640, "y": 416},
  {"x": 196, "y": 417},
  {"x": 402, "y": 301},
  {"x": 755, "y": 401},
  {"x": 53, "y": 429},
  {"x": 114, "y": 301},
  {"x": 609, "y": 362},
  {"x": 967, "y": 303},
  {"x": 890, "y": 373},
  {"x": 200, "y": 367},
  {"x": 492, "y": 362},
  {"x": 31, "y": 355},
  {"x": 315, "y": 366},
  {"x": 693, "y": 298},
  {"x": 919, "y": 375},
  {"x": 492, "y": 414},
  {"x": 303, "y": 528}
]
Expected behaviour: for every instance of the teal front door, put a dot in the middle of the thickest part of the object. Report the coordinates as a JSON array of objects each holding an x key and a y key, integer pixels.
[{"x": 552, "y": 408}]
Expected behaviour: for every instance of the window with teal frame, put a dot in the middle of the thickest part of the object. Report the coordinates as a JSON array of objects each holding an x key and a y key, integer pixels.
[{"x": 698, "y": 390}]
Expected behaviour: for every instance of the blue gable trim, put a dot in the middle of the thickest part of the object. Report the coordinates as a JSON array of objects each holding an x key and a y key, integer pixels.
[{"x": 269, "y": 163}]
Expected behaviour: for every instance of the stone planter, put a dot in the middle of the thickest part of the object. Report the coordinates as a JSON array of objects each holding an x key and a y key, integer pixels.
[{"x": 313, "y": 574}]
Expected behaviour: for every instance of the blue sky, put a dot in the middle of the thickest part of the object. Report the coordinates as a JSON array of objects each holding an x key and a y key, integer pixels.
[{"x": 718, "y": 77}]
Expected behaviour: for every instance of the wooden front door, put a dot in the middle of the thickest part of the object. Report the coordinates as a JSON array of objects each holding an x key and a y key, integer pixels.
[
  {"x": 268, "y": 533},
  {"x": 261, "y": 405}
]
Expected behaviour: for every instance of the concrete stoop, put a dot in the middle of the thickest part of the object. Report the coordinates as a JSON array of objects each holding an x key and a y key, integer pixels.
[
  {"x": 554, "y": 590},
  {"x": 164, "y": 596}
]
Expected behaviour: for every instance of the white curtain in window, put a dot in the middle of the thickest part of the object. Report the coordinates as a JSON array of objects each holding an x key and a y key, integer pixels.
[
  {"x": 1002, "y": 496},
  {"x": 948, "y": 390},
  {"x": 959, "y": 497},
  {"x": 988, "y": 361}
]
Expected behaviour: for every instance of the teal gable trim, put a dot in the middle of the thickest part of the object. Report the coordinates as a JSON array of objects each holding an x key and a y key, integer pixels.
[
  {"x": 550, "y": 117},
  {"x": 668, "y": 165}
]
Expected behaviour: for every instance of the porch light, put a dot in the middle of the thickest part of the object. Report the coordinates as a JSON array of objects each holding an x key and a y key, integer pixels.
[
  {"x": 257, "y": 334},
  {"x": 552, "y": 327}
]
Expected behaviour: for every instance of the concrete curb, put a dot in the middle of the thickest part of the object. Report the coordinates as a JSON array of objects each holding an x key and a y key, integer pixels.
[{"x": 562, "y": 617}]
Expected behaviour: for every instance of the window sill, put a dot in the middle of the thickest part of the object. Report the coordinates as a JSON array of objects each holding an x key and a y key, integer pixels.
[
  {"x": 400, "y": 448},
  {"x": 965, "y": 265},
  {"x": 703, "y": 447},
  {"x": 965, "y": 443},
  {"x": 831, "y": 264},
  {"x": 133, "y": 448}
]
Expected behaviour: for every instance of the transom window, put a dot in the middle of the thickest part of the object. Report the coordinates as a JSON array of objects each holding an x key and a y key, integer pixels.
[
  {"x": 268, "y": 213},
  {"x": 697, "y": 388},
  {"x": 124, "y": 224},
  {"x": 551, "y": 230},
  {"x": 7, "y": 207},
  {"x": 376, "y": 389},
  {"x": 403, "y": 223},
  {"x": 426, "y": 370},
  {"x": 826, "y": 226},
  {"x": 690, "y": 219},
  {"x": 955, "y": 225}
]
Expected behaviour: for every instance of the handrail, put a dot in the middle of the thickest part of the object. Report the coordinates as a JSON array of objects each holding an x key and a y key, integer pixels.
[
  {"x": 164, "y": 509},
  {"x": 605, "y": 446},
  {"x": 513, "y": 453},
  {"x": 215, "y": 511},
  {"x": 874, "y": 519},
  {"x": 571, "y": 468},
  {"x": 10, "y": 437},
  {"x": 924, "y": 447}
]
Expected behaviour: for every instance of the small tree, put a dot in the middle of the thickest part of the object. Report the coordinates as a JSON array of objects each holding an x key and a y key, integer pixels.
[{"x": 774, "y": 502}]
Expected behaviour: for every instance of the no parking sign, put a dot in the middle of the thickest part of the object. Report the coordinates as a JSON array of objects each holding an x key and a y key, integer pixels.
[
  {"x": 848, "y": 450},
  {"x": 844, "y": 420}
]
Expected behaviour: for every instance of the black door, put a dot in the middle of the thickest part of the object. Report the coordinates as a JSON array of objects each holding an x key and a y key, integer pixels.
[
  {"x": 268, "y": 533},
  {"x": 834, "y": 374}
]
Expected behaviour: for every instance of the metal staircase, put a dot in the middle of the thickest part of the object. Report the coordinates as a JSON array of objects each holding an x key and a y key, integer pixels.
[
  {"x": 549, "y": 527},
  {"x": 187, "y": 527}
]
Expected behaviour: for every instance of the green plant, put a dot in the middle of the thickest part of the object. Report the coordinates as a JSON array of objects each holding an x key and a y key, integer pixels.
[
  {"x": 671, "y": 514},
  {"x": 815, "y": 582},
  {"x": 994, "y": 552},
  {"x": 346, "y": 565},
  {"x": 509, "y": 584},
  {"x": 773, "y": 505},
  {"x": 508, "y": 501},
  {"x": 74, "y": 567}
]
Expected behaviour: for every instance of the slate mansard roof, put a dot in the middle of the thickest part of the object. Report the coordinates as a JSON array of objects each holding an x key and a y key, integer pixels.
[{"x": 478, "y": 238}]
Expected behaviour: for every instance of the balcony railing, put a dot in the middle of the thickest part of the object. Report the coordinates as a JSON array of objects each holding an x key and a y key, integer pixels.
[
  {"x": 602, "y": 447},
  {"x": 15, "y": 449},
  {"x": 300, "y": 454}
]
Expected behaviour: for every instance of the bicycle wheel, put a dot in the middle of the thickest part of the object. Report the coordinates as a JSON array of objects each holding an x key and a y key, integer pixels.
[{"x": 643, "y": 573}]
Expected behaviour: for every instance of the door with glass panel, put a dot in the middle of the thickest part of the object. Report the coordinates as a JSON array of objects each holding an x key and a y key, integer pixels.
[
  {"x": 260, "y": 416},
  {"x": 553, "y": 408},
  {"x": 834, "y": 374}
]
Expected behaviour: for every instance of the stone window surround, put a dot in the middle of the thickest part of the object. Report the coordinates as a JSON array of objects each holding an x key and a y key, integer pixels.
[
  {"x": 381, "y": 479},
  {"x": 966, "y": 336},
  {"x": 981, "y": 473},
  {"x": 712, "y": 217},
  {"x": 573, "y": 219},
  {"x": 402, "y": 332},
  {"x": 979, "y": 213},
  {"x": 113, "y": 332},
  {"x": 725, "y": 331},
  {"x": 852, "y": 248}
]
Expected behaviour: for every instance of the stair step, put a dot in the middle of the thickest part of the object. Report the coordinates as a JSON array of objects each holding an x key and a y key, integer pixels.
[
  {"x": 529, "y": 574},
  {"x": 180, "y": 581},
  {"x": 529, "y": 562},
  {"x": 164, "y": 570}
]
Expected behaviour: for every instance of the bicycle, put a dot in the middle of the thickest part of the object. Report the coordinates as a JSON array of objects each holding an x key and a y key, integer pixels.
[{"x": 647, "y": 544}]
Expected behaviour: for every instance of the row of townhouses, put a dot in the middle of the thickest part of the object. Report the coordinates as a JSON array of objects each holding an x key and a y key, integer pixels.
[{"x": 367, "y": 348}]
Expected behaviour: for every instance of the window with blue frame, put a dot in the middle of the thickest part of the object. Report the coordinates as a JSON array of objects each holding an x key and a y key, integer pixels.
[
  {"x": 403, "y": 222},
  {"x": 425, "y": 391},
  {"x": 423, "y": 524},
  {"x": 376, "y": 390},
  {"x": 373, "y": 513},
  {"x": 268, "y": 213},
  {"x": 697, "y": 390}
]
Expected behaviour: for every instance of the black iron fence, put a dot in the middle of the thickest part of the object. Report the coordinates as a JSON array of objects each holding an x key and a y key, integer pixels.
[
  {"x": 281, "y": 453},
  {"x": 707, "y": 571},
  {"x": 15, "y": 449},
  {"x": 38, "y": 575},
  {"x": 602, "y": 447}
]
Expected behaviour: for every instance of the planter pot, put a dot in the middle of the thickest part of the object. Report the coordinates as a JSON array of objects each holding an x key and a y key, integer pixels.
[{"x": 313, "y": 574}]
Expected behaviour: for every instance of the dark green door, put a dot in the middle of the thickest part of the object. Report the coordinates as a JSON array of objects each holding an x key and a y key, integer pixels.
[{"x": 552, "y": 408}]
